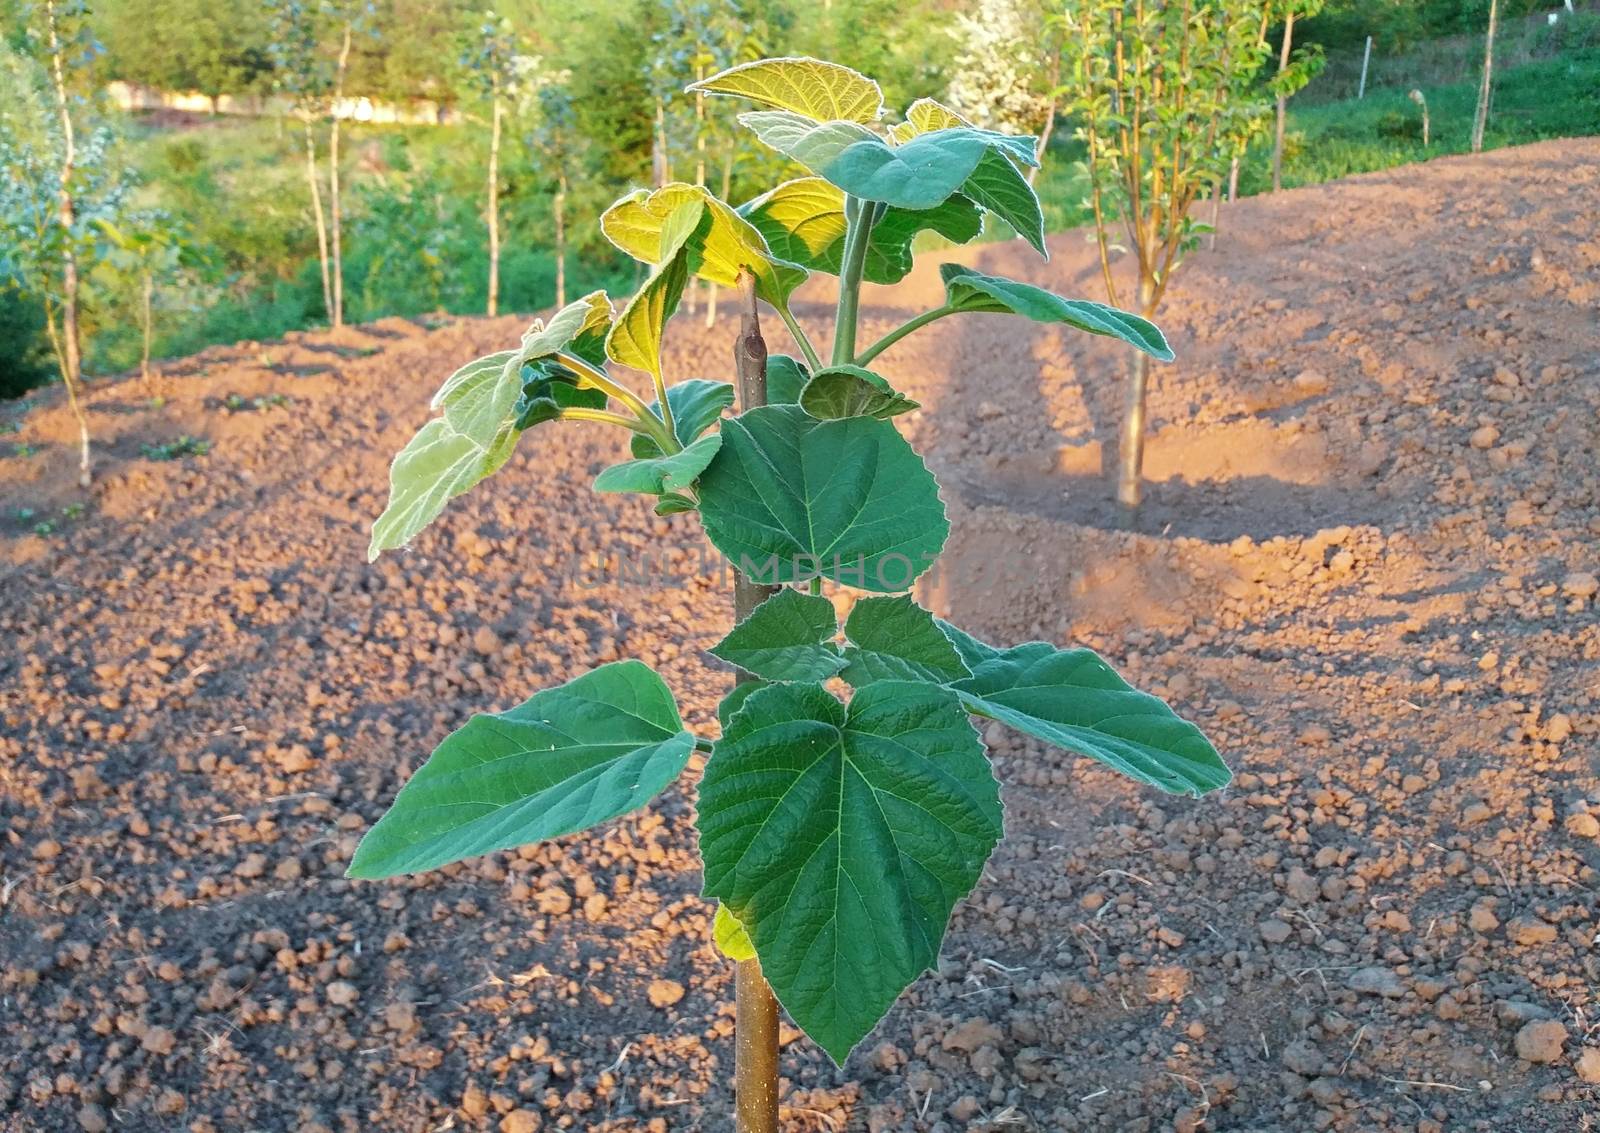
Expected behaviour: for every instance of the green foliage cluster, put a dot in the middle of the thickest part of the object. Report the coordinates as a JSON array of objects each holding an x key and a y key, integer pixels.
[
  {"x": 848, "y": 803},
  {"x": 1550, "y": 98}
]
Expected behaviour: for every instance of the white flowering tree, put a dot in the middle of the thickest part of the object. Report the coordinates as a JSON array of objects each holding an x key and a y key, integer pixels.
[{"x": 1007, "y": 69}]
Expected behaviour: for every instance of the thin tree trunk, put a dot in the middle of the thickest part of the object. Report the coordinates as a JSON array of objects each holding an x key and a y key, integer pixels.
[
  {"x": 494, "y": 203},
  {"x": 727, "y": 182},
  {"x": 1283, "y": 99},
  {"x": 1216, "y": 215},
  {"x": 145, "y": 319},
  {"x": 1480, "y": 120},
  {"x": 68, "y": 353},
  {"x": 560, "y": 209},
  {"x": 1130, "y": 469},
  {"x": 1233, "y": 181},
  {"x": 755, "y": 1027},
  {"x": 1049, "y": 117},
  {"x": 316, "y": 211},
  {"x": 660, "y": 172},
  {"x": 698, "y": 287},
  {"x": 333, "y": 179}
]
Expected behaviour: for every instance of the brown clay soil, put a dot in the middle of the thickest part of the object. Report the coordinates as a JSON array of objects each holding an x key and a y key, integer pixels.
[{"x": 1367, "y": 568}]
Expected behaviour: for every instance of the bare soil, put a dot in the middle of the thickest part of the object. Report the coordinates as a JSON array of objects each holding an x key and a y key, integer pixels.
[{"x": 1366, "y": 568}]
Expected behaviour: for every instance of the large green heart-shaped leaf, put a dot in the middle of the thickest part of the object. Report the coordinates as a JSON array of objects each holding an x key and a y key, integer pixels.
[
  {"x": 658, "y": 475},
  {"x": 921, "y": 174},
  {"x": 851, "y": 391},
  {"x": 721, "y": 245},
  {"x": 841, "y": 839},
  {"x": 969, "y": 290},
  {"x": 789, "y": 637},
  {"x": 790, "y": 496},
  {"x": 696, "y": 404},
  {"x": 894, "y": 639},
  {"x": 816, "y": 89},
  {"x": 996, "y": 184},
  {"x": 1073, "y": 699},
  {"x": 803, "y": 222},
  {"x": 562, "y": 761}
]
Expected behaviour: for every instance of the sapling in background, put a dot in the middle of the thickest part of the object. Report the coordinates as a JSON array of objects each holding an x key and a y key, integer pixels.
[
  {"x": 838, "y": 830},
  {"x": 146, "y": 248},
  {"x": 489, "y": 56},
  {"x": 1163, "y": 94},
  {"x": 58, "y": 182}
]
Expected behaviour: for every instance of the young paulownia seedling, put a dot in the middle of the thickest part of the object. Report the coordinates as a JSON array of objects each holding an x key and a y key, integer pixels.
[{"x": 837, "y": 832}]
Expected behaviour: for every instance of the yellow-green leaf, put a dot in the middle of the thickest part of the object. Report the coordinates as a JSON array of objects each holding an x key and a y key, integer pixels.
[
  {"x": 821, "y": 91},
  {"x": 732, "y": 940},
  {"x": 803, "y": 222},
  {"x": 721, "y": 246},
  {"x": 635, "y": 338}
]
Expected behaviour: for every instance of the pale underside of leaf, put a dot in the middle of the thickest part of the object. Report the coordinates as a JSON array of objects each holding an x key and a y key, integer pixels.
[
  {"x": 995, "y": 184},
  {"x": 816, "y": 89},
  {"x": 437, "y": 465},
  {"x": 921, "y": 174}
]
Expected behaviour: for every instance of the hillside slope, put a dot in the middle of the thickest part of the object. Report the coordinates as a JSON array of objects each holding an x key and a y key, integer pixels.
[{"x": 1366, "y": 568}]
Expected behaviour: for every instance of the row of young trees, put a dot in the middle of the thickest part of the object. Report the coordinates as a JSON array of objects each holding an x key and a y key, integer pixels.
[{"x": 1165, "y": 96}]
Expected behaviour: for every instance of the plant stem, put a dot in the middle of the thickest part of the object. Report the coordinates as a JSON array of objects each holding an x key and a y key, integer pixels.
[
  {"x": 859, "y": 216},
  {"x": 900, "y": 332},
  {"x": 612, "y": 388},
  {"x": 755, "y": 1033},
  {"x": 335, "y": 221},
  {"x": 316, "y": 211},
  {"x": 1130, "y": 469},
  {"x": 582, "y": 413},
  {"x": 494, "y": 203},
  {"x": 800, "y": 339},
  {"x": 68, "y": 351}
]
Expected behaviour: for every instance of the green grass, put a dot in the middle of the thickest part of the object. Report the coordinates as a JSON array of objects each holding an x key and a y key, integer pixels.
[{"x": 1549, "y": 98}]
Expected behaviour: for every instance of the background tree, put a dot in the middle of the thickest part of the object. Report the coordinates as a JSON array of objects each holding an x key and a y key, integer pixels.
[
  {"x": 1154, "y": 86},
  {"x": 1293, "y": 74},
  {"x": 146, "y": 248},
  {"x": 1480, "y": 119},
  {"x": 58, "y": 182},
  {"x": 1007, "y": 68},
  {"x": 183, "y": 45},
  {"x": 490, "y": 61},
  {"x": 551, "y": 139},
  {"x": 301, "y": 74},
  {"x": 346, "y": 15}
]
